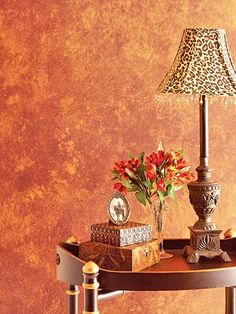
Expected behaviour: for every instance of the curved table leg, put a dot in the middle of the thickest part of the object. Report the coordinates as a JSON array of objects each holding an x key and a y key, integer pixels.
[
  {"x": 90, "y": 285},
  {"x": 230, "y": 300},
  {"x": 73, "y": 298}
]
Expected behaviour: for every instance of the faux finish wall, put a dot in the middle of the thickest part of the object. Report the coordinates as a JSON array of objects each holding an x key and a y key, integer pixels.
[{"x": 78, "y": 81}]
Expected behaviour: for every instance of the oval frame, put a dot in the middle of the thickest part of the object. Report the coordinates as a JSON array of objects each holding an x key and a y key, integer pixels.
[{"x": 125, "y": 218}]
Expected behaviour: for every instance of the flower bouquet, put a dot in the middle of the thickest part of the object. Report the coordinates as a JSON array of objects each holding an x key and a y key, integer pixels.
[{"x": 153, "y": 178}]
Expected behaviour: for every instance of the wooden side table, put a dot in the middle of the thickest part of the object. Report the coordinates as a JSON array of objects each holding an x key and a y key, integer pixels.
[{"x": 172, "y": 274}]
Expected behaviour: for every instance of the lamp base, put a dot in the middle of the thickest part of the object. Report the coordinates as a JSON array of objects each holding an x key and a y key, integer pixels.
[{"x": 204, "y": 243}]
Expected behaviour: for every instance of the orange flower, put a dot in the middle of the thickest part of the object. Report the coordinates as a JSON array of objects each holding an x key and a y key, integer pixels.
[
  {"x": 177, "y": 154},
  {"x": 186, "y": 175},
  {"x": 170, "y": 173}
]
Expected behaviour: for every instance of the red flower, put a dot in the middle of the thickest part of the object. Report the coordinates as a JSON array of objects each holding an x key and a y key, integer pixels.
[
  {"x": 131, "y": 164},
  {"x": 120, "y": 166},
  {"x": 156, "y": 158},
  {"x": 161, "y": 185},
  {"x": 151, "y": 172},
  {"x": 169, "y": 160},
  {"x": 120, "y": 187},
  {"x": 180, "y": 164},
  {"x": 162, "y": 168}
]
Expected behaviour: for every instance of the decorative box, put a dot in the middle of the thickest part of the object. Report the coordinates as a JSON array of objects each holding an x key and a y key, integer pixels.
[
  {"x": 130, "y": 258},
  {"x": 130, "y": 233}
]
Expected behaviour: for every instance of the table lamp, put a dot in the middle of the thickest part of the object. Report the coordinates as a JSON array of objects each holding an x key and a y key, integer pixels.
[{"x": 202, "y": 66}]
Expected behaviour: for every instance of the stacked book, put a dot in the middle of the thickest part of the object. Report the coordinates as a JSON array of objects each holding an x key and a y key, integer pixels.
[
  {"x": 127, "y": 247},
  {"x": 130, "y": 233}
]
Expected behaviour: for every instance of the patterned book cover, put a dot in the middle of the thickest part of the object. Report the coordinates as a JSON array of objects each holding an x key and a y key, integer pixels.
[
  {"x": 130, "y": 258},
  {"x": 130, "y": 233}
]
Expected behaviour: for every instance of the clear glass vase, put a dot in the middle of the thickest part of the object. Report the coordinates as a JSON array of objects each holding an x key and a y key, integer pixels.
[{"x": 158, "y": 211}]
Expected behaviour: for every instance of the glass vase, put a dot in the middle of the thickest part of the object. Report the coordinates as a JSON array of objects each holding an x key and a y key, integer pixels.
[{"x": 158, "y": 211}]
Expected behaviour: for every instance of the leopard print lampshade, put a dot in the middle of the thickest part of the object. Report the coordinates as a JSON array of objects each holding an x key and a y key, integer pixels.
[{"x": 203, "y": 65}]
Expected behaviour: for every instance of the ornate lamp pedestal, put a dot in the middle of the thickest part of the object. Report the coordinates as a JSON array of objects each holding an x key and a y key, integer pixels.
[
  {"x": 204, "y": 237},
  {"x": 204, "y": 195},
  {"x": 204, "y": 243}
]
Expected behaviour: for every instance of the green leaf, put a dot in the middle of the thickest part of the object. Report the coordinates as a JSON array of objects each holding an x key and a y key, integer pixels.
[
  {"x": 130, "y": 155},
  {"x": 148, "y": 184},
  {"x": 181, "y": 151},
  {"x": 141, "y": 157},
  {"x": 115, "y": 172},
  {"x": 134, "y": 181},
  {"x": 171, "y": 193},
  {"x": 161, "y": 196},
  {"x": 145, "y": 168},
  {"x": 132, "y": 189},
  {"x": 141, "y": 197},
  {"x": 130, "y": 173},
  {"x": 141, "y": 173},
  {"x": 126, "y": 183},
  {"x": 168, "y": 188}
]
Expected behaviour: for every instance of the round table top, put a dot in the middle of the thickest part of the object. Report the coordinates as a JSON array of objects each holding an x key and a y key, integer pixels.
[{"x": 172, "y": 274}]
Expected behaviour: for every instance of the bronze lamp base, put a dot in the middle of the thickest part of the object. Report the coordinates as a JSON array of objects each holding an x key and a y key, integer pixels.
[
  {"x": 204, "y": 237},
  {"x": 204, "y": 243},
  {"x": 204, "y": 195}
]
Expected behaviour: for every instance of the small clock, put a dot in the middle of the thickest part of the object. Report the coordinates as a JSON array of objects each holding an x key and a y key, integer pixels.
[{"x": 118, "y": 209}]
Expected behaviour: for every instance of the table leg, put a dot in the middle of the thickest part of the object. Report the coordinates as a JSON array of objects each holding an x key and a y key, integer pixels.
[
  {"x": 90, "y": 285},
  {"x": 230, "y": 300},
  {"x": 73, "y": 298}
]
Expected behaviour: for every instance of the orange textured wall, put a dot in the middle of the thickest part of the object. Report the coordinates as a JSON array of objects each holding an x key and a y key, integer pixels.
[{"x": 78, "y": 81}]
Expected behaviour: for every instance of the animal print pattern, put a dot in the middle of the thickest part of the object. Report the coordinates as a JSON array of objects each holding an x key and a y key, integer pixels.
[{"x": 203, "y": 65}]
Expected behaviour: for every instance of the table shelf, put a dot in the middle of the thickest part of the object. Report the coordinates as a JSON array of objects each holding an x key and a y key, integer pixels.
[{"x": 171, "y": 274}]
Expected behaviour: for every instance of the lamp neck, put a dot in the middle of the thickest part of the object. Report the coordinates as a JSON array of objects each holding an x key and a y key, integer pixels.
[{"x": 204, "y": 173}]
